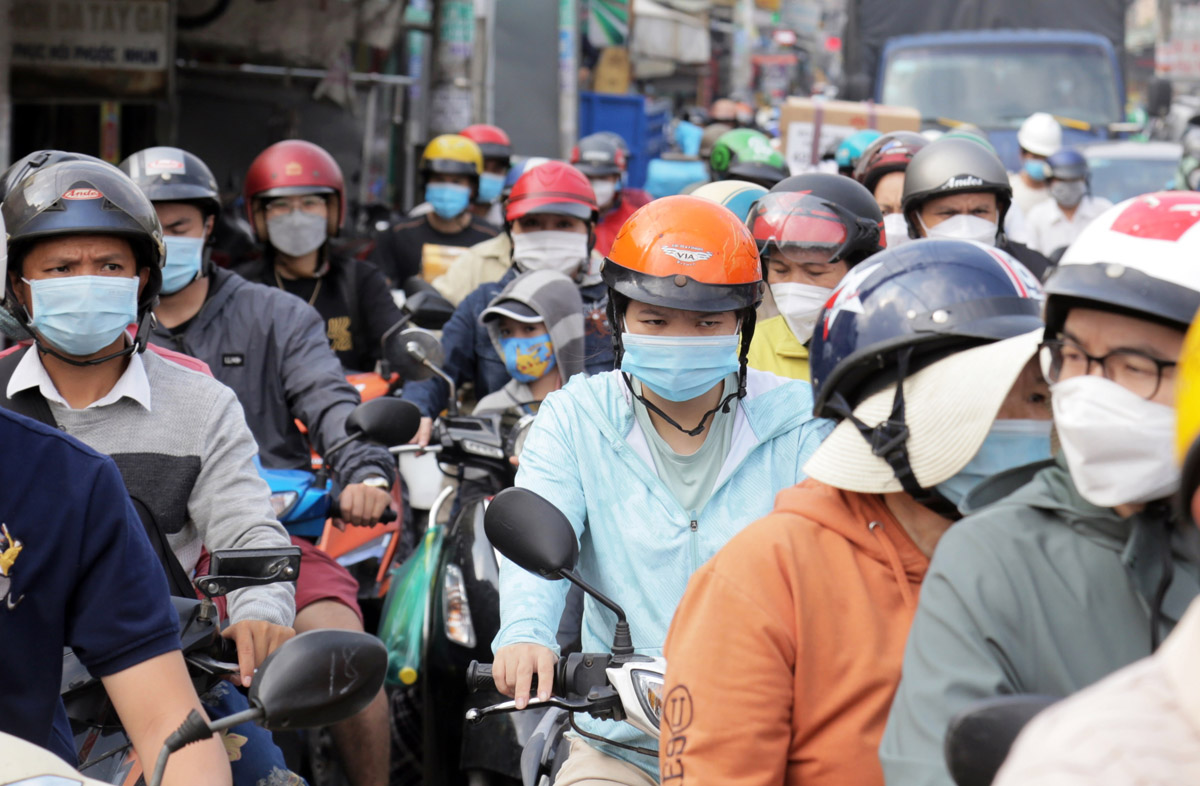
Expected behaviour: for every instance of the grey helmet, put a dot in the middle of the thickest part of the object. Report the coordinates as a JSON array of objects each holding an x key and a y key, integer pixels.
[
  {"x": 953, "y": 166},
  {"x": 168, "y": 174}
]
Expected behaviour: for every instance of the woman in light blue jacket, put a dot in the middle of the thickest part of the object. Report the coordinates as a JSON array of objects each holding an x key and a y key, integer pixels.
[{"x": 656, "y": 465}]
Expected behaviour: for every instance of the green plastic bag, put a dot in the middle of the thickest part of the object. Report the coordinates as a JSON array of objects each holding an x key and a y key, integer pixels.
[{"x": 402, "y": 624}]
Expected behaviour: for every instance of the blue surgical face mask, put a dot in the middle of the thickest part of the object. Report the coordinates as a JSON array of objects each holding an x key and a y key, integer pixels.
[
  {"x": 81, "y": 315},
  {"x": 184, "y": 255},
  {"x": 1036, "y": 169},
  {"x": 490, "y": 185},
  {"x": 1009, "y": 444},
  {"x": 528, "y": 358},
  {"x": 680, "y": 368},
  {"x": 448, "y": 199}
]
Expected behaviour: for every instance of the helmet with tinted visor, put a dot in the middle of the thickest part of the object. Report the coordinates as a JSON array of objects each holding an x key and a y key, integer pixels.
[{"x": 803, "y": 228}]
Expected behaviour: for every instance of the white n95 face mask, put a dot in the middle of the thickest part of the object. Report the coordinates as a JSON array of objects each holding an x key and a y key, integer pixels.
[
  {"x": 1119, "y": 446},
  {"x": 962, "y": 227},
  {"x": 566, "y": 252},
  {"x": 800, "y": 304},
  {"x": 896, "y": 229}
]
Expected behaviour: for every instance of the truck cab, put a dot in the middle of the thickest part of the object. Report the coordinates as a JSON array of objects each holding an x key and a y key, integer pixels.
[{"x": 997, "y": 78}]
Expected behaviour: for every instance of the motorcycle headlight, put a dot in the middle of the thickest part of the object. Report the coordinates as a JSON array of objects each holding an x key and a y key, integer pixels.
[
  {"x": 649, "y": 688},
  {"x": 282, "y": 503},
  {"x": 456, "y": 610}
]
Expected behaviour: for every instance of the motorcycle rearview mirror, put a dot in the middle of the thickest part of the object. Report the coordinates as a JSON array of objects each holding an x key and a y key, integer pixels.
[
  {"x": 527, "y": 529},
  {"x": 386, "y": 420},
  {"x": 413, "y": 352},
  {"x": 531, "y": 532},
  {"x": 429, "y": 309},
  {"x": 980, "y": 737},
  {"x": 315, "y": 679},
  {"x": 234, "y": 569},
  {"x": 319, "y": 678},
  {"x": 417, "y": 354}
]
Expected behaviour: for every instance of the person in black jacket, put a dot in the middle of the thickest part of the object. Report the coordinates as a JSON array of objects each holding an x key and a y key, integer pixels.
[
  {"x": 957, "y": 188},
  {"x": 295, "y": 213}
]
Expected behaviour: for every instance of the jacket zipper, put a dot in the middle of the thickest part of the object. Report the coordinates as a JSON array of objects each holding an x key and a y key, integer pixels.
[{"x": 695, "y": 545}]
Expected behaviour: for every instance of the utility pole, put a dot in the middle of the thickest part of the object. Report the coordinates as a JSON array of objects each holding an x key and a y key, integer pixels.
[
  {"x": 568, "y": 75},
  {"x": 5, "y": 98},
  {"x": 451, "y": 101}
]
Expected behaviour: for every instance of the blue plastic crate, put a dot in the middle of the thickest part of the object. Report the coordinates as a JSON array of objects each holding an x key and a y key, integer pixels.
[{"x": 642, "y": 123}]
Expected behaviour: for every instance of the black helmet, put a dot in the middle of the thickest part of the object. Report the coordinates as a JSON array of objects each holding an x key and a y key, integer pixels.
[
  {"x": 953, "y": 166},
  {"x": 168, "y": 174},
  {"x": 39, "y": 159},
  {"x": 817, "y": 210},
  {"x": 86, "y": 198},
  {"x": 600, "y": 154}
]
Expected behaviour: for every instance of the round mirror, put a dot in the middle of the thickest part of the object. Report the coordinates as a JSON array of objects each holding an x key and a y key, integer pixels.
[{"x": 406, "y": 349}]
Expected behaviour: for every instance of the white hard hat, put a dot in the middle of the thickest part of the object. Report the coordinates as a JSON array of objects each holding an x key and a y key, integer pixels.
[{"x": 1040, "y": 134}]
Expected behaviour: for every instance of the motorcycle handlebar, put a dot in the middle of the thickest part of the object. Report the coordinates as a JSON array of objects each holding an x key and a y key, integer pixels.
[
  {"x": 479, "y": 678},
  {"x": 386, "y": 517}
]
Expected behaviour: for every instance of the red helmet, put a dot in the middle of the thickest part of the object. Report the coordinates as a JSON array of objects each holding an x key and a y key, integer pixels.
[
  {"x": 491, "y": 140},
  {"x": 553, "y": 187},
  {"x": 889, "y": 153},
  {"x": 294, "y": 167}
]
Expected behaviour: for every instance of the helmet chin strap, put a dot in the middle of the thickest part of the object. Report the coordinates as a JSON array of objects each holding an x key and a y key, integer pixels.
[
  {"x": 889, "y": 441},
  {"x": 699, "y": 429},
  {"x": 137, "y": 345}
]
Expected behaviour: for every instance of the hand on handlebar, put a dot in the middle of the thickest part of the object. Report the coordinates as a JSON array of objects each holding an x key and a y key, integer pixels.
[
  {"x": 255, "y": 640},
  {"x": 424, "y": 433},
  {"x": 361, "y": 505},
  {"x": 514, "y": 667}
]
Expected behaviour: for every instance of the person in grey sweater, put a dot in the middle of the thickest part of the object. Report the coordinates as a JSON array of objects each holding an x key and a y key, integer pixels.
[{"x": 78, "y": 277}]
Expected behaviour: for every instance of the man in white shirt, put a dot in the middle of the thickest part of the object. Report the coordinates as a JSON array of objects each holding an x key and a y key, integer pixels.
[
  {"x": 1040, "y": 136},
  {"x": 1141, "y": 724},
  {"x": 1055, "y": 223}
]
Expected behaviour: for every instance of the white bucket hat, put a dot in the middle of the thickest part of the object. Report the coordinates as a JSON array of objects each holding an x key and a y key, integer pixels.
[{"x": 949, "y": 407}]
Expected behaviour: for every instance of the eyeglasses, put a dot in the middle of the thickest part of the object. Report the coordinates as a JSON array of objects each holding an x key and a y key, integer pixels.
[
  {"x": 1135, "y": 371},
  {"x": 309, "y": 203}
]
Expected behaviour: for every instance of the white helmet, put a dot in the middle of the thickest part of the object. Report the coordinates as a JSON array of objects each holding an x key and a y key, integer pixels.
[
  {"x": 1140, "y": 257},
  {"x": 1040, "y": 134},
  {"x": 737, "y": 195}
]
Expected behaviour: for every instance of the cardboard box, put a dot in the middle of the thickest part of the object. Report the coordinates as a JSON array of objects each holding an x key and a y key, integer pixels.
[
  {"x": 808, "y": 126},
  {"x": 612, "y": 71}
]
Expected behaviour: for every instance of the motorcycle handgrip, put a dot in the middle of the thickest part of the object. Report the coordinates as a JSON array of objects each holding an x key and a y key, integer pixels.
[
  {"x": 386, "y": 517},
  {"x": 479, "y": 678}
]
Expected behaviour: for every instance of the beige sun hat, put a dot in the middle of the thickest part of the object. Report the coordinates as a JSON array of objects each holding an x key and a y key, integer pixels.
[{"x": 949, "y": 408}]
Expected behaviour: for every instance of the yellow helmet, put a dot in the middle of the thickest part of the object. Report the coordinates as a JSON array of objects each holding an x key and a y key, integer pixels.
[
  {"x": 452, "y": 154},
  {"x": 1187, "y": 416}
]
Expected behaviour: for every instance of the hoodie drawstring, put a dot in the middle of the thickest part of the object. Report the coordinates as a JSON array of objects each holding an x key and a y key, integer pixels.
[{"x": 894, "y": 560}]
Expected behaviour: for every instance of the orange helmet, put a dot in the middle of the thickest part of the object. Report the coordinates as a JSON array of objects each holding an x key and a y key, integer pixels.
[{"x": 688, "y": 253}]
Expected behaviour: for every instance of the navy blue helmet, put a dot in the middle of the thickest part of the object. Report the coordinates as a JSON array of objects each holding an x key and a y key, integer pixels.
[{"x": 930, "y": 296}]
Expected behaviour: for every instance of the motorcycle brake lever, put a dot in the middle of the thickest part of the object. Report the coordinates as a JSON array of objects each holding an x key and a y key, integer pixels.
[
  {"x": 601, "y": 701},
  {"x": 210, "y": 665}
]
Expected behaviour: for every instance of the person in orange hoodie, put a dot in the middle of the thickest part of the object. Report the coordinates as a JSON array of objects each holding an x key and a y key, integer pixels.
[{"x": 785, "y": 652}]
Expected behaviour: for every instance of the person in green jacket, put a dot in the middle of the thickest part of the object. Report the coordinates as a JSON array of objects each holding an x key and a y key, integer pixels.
[
  {"x": 1085, "y": 568},
  {"x": 810, "y": 229}
]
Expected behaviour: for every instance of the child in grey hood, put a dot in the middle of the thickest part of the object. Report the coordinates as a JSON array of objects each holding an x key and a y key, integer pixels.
[{"x": 536, "y": 325}]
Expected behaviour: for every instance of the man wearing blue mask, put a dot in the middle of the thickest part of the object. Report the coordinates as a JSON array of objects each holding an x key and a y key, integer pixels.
[
  {"x": 658, "y": 463},
  {"x": 1039, "y": 137},
  {"x": 86, "y": 252},
  {"x": 427, "y": 245},
  {"x": 274, "y": 351}
]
